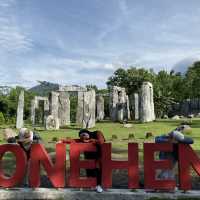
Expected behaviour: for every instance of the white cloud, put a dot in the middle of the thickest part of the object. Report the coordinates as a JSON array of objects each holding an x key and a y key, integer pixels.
[
  {"x": 59, "y": 70},
  {"x": 12, "y": 39}
]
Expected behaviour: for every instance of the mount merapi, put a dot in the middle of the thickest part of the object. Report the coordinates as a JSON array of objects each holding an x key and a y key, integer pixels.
[
  {"x": 44, "y": 88},
  {"x": 183, "y": 65}
]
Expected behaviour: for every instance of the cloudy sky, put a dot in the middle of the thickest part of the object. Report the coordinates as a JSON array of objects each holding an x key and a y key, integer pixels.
[{"x": 85, "y": 41}]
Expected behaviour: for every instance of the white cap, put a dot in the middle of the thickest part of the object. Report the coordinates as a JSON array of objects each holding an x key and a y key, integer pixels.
[{"x": 22, "y": 132}]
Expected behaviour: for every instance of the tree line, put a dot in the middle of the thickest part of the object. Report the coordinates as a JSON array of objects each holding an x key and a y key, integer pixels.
[{"x": 169, "y": 87}]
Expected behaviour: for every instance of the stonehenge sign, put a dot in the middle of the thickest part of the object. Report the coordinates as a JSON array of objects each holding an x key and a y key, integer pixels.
[{"x": 56, "y": 171}]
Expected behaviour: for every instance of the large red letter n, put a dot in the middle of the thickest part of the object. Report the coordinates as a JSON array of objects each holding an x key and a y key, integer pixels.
[
  {"x": 187, "y": 158},
  {"x": 56, "y": 172}
]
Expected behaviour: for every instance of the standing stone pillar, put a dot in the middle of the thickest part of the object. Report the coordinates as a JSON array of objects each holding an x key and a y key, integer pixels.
[
  {"x": 20, "y": 111},
  {"x": 136, "y": 106},
  {"x": 79, "y": 112},
  {"x": 64, "y": 109},
  {"x": 100, "y": 107},
  {"x": 127, "y": 109},
  {"x": 89, "y": 108},
  {"x": 113, "y": 103},
  {"x": 33, "y": 107},
  {"x": 86, "y": 109},
  {"x": 147, "y": 113},
  {"x": 46, "y": 110},
  {"x": 52, "y": 121},
  {"x": 121, "y": 105}
]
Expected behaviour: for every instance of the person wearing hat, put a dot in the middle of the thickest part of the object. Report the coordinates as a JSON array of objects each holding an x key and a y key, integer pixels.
[
  {"x": 175, "y": 137},
  {"x": 97, "y": 138},
  {"x": 25, "y": 139}
]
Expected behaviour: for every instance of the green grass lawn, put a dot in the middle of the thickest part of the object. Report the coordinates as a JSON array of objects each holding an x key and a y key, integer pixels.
[
  {"x": 109, "y": 128},
  {"x": 139, "y": 130}
]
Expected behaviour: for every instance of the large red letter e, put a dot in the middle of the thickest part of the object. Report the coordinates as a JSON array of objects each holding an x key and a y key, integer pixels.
[{"x": 150, "y": 166}]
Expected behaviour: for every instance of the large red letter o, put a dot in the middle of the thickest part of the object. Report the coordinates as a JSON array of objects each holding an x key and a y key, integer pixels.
[{"x": 20, "y": 165}]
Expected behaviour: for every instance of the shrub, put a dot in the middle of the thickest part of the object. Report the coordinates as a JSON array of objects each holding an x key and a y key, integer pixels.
[
  {"x": 149, "y": 135},
  {"x": 2, "y": 119},
  {"x": 54, "y": 139},
  {"x": 114, "y": 137},
  {"x": 131, "y": 136}
]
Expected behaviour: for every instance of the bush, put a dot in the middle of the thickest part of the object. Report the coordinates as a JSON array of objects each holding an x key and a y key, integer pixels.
[
  {"x": 54, "y": 139},
  {"x": 148, "y": 135},
  {"x": 131, "y": 136},
  {"x": 2, "y": 119},
  {"x": 114, "y": 137}
]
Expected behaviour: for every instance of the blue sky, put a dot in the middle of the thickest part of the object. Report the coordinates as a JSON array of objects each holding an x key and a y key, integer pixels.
[{"x": 85, "y": 41}]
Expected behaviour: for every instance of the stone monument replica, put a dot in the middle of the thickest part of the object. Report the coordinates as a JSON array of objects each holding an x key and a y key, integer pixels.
[
  {"x": 100, "y": 107},
  {"x": 147, "y": 113},
  {"x": 20, "y": 111},
  {"x": 119, "y": 104}
]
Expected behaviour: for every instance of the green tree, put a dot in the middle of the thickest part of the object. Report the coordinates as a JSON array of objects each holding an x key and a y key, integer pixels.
[
  {"x": 192, "y": 80},
  {"x": 93, "y": 87},
  {"x": 9, "y": 103},
  {"x": 163, "y": 98},
  {"x": 131, "y": 79},
  {"x": 2, "y": 119}
]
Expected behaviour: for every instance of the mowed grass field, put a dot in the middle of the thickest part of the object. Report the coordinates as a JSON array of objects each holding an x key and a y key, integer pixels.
[{"x": 121, "y": 134}]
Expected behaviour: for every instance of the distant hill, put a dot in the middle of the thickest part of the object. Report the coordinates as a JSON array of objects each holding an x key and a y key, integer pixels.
[
  {"x": 183, "y": 65},
  {"x": 44, "y": 88}
]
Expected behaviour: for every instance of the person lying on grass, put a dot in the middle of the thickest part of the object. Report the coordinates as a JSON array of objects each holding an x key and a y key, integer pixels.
[{"x": 175, "y": 137}]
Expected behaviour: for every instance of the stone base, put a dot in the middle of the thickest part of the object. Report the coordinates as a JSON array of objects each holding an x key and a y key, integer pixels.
[{"x": 77, "y": 194}]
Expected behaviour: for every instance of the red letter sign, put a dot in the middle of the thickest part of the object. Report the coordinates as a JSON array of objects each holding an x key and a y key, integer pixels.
[
  {"x": 187, "y": 158},
  {"x": 150, "y": 166},
  {"x": 108, "y": 165},
  {"x": 56, "y": 172},
  {"x": 76, "y": 165},
  {"x": 20, "y": 165}
]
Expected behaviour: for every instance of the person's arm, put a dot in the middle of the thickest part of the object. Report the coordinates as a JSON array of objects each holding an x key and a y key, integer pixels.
[
  {"x": 100, "y": 137},
  {"x": 69, "y": 141},
  {"x": 161, "y": 139},
  {"x": 187, "y": 140}
]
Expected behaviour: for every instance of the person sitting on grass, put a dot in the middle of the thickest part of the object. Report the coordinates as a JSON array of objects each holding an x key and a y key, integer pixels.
[
  {"x": 175, "y": 137},
  {"x": 97, "y": 138}
]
